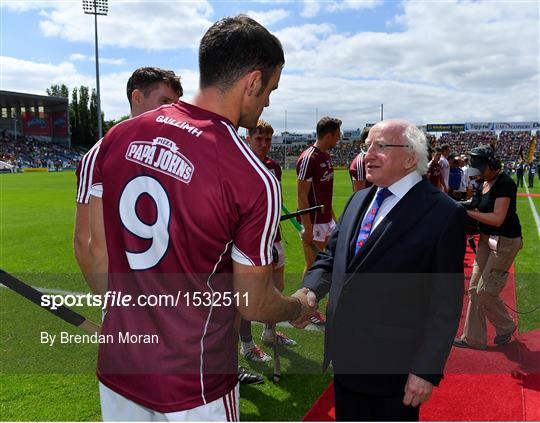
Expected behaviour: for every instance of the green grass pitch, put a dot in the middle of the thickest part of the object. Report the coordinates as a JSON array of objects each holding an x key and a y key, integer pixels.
[{"x": 42, "y": 383}]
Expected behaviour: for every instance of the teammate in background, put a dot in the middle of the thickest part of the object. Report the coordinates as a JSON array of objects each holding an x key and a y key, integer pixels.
[
  {"x": 171, "y": 213},
  {"x": 445, "y": 167},
  {"x": 315, "y": 175},
  {"x": 260, "y": 140},
  {"x": 357, "y": 168},
  {"x": 434, "y": 169},
  {"x": 147, "y": 89}
]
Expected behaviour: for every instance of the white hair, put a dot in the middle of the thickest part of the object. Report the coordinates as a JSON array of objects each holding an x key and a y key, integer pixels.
[{"x": 416, "y": 139}]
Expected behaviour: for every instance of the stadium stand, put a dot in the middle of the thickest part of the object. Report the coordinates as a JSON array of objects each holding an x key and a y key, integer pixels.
[
  {"x": 507, "y": 145},
  {"x": 29, "y": 152}
]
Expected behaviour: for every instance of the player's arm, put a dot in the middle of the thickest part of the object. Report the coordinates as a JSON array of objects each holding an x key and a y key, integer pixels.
[
  {"x": 303, "y": 188},
  {"x": 261, "y": 301},
  {"x": 99, "y": 259},
  {"x": 81, "y": 235}
]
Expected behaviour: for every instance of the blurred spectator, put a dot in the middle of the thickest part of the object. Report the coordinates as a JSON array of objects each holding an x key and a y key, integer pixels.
[
  {"x": 434, "y": 169},
  {"x": 520, "y": 169},
  {"x": 531, "y": 171}
]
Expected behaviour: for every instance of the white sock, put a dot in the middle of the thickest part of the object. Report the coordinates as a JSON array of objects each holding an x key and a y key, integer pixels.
[
  {"x": 268, "y": 331},
  {"x": 246, "y": 346}
]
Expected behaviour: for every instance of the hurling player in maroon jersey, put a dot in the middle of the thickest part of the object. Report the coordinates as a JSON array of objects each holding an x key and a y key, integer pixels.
[
  {"x": 260, "y": 140},
  {"x": 147, "y": 89},
  {"x": 181, "y": 208},
  {"x": 315, "y": 186},
  {"x": 357, "y": 168}
]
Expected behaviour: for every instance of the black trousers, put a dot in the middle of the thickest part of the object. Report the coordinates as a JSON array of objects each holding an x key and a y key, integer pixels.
[{"x": 354, "y": 406}]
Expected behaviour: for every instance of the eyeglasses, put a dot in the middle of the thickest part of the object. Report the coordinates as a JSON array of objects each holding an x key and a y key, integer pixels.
[{"x": 378, "y": 147}]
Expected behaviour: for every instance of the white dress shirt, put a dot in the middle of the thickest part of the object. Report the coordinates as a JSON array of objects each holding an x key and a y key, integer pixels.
[{"x": 398, "y": 190}]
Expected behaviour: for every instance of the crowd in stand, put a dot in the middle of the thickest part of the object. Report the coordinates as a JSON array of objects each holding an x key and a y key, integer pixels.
[
  {"x": 31, "y": 152},
  {"x": 28, "y": 152},
  {"x": 507, "y": 146}
]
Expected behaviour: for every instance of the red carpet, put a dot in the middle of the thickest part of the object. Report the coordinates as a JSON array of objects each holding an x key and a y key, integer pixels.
[{"x": 499, "y": 384}]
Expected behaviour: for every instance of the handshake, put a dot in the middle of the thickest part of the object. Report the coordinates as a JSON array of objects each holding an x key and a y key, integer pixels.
[{"x": 308, "y": 302}]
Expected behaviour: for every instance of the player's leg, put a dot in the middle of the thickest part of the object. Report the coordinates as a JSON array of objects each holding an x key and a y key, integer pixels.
[
  {"x": 278, "y": 277},
  {"x": 249, "y": 349},
  {"x": 321, "y": 235}
]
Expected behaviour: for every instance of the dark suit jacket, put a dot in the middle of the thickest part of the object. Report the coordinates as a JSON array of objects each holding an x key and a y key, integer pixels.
[{"x": 394, "y": 308}]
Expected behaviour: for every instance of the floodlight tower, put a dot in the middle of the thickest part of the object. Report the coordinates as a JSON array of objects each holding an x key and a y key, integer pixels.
[{"x": 97, "y": 7}]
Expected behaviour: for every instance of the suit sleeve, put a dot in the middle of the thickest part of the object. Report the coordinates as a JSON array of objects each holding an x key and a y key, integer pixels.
[
  {"x": 319, "y": 276},
  {"x": 445, "y": 300}
]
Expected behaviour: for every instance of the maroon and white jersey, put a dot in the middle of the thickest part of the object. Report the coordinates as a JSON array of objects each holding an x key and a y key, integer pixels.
[
  {"x": 275, "y": 168},
  {"x": 183, "y": 196},
  {"x": 85, "y": 172},
  {"x": 316, "y": 166},
  {"x": 357, "y": 169}
]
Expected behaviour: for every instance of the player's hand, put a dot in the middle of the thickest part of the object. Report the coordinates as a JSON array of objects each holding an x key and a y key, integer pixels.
[
  {"x": 307, "y": 236},
  {"x": 417, "y": 390},
  {"x": 309, "y": 306}
]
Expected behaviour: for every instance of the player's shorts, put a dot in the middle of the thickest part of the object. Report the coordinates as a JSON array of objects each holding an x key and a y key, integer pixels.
[
  {"x": 281, "y": 255},
  {"x": 321, "y": 231},
  {"x": 115, "y": 407}
]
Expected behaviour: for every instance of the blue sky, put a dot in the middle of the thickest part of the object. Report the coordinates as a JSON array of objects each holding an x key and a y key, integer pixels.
[{"x": 429, "y": 62}]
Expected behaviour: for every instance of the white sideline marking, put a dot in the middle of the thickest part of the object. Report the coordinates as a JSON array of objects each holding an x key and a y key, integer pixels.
[
  {"x": 52, "y": 291},
  {"x": 534, "y": 212}
]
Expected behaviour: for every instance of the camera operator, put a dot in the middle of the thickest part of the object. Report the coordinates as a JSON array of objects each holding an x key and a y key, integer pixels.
[{"x": 500, "y": 241}]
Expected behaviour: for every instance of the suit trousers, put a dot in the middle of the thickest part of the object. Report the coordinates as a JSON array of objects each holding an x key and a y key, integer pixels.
[
  {"x": 489, "y": 277},
  {"x": 354, "y": 406}
]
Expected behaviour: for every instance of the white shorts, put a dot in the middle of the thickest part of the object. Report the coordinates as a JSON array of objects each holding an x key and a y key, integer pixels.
[
  {"x": 281, "y": 255},
  {"x": 115, "y": 407},
  {"x": 321, "y": 231}
]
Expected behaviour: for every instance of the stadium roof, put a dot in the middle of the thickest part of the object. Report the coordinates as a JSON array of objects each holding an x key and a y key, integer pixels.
[{"x": 13, "y": 99}]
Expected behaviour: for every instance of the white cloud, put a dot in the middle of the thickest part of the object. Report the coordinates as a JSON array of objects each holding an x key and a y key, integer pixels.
[
  {"x": 32, "y": 77},
  {"x": 269, "y": 17},
  {"x": 297, "y": 38},
  {"x": 352, "y": 5},
  {"x": 78, "y": 57},
  {"x": 143, "y": 25},
  {"x": 311, "y": 8}
]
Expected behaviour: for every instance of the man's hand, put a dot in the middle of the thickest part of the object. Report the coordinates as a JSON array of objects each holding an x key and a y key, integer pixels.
[
  {"x": 309, "y": 305},
  {"x": 417, "y": 390}
]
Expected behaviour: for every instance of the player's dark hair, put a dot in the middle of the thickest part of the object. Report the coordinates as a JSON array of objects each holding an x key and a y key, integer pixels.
[
  {"x": 445, "y": 147},
  {"x": 234, "y": 46},
  {"x": 327, "y": 125},
  {"x": 146, "y": 79}
]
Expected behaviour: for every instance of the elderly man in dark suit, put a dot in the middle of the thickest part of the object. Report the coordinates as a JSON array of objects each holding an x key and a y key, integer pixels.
[{"x": 393, "y": 269}]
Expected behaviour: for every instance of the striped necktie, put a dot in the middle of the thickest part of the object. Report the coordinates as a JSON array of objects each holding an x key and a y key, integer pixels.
[{"x": 369, "y": 218}]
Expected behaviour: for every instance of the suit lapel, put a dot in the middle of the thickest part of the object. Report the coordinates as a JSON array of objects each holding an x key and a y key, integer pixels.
[
  {"x": 395, "y": 224},
  {"x": 349, "y": 222}
]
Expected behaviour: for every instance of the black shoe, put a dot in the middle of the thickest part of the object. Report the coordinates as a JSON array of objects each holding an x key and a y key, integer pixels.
[
  {"x": 504, "y": 339},
  {"x": 460, "y": 343},
  {"x": 249, "y": 378}
]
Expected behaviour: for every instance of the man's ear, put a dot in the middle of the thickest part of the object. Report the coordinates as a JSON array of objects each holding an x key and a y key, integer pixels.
[
  {"x": 136, "y": 96},
  {"x": 411, "y": 161},
  {"x": 253, "y": 83}
]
